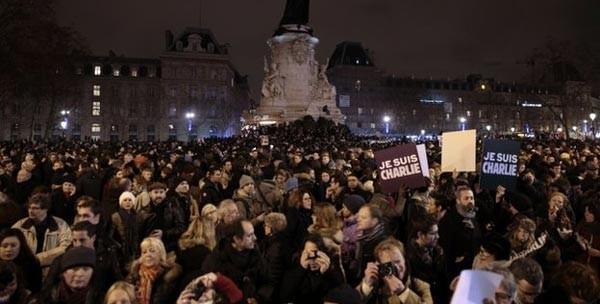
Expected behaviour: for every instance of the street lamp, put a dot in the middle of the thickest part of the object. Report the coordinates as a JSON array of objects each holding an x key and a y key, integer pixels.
[
  {"x": 593, "y": 127},
  {"x": 462, "y": 123},
  {"x": 190, "y": 116},
  {"x": 488, "y": 128},
  {"x": 512, "y": 129},
  {"x": 64, "y": 124},
  {"x": 387, "y": 120}
]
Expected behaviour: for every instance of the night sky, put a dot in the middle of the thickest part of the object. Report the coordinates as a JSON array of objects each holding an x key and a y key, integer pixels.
[{"x": 424, "y": 38}]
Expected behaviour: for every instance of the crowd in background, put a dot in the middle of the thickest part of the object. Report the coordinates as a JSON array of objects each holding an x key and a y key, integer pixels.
[{"x": 288, "y": 214}]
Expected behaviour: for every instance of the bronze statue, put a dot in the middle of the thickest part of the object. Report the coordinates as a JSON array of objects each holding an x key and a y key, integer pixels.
[{"x": 296, "y": 12}]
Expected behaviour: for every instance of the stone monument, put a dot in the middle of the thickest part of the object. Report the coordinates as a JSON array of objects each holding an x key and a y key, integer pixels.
[{"x": 295, "y": 85}]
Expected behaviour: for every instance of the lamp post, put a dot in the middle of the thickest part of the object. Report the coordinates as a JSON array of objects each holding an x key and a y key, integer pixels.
[
  {"x": 462, "y": 123},
  {"x": 574, "y": 131},
  {"x": 64, "y": 124},
  {"x": 512, "y": 129},
  {"x": 190, "y": 116},
  {"x": 386, "y": 120},
  {"x": 593, "y": 127}
]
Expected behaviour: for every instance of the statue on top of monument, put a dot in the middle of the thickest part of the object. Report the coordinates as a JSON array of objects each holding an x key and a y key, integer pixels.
[{"x": 296, "y": 12}]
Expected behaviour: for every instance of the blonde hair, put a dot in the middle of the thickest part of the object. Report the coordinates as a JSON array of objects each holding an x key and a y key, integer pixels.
[
  {"x": 199, "y": 232},
  {"x": 124, "y": 286},
  {"x": 157, "y": 244}
]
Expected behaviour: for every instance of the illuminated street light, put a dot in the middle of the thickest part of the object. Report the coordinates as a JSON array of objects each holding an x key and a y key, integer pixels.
[
  {"x": 488, "y": 128},
  {"x": 512, "y": 129},
  {"x": 592, "y": 116},
  {"x": 387, "y": 120},
  {"x": 559, "y": 130},
  {"x": 190, "y": 116},
  {"x": 574, "y": 128},
  {"x": 422, "y": 132},
  {"x": 462, "y": 123}
]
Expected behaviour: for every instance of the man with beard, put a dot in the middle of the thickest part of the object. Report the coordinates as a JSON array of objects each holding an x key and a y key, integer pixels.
[
  {"x": 161, "y": 219},
  {"x": 460, "y": 234},
  {"x": 211, "y": 192}
]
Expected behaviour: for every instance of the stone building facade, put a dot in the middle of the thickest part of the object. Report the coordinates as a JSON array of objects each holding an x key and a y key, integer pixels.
[
  {"x": 191, "y": 91},
  {"x": 366, "y": 95}
]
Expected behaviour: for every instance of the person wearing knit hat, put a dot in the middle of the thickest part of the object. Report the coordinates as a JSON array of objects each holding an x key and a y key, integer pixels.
[
  {"x": 78, "y": 257},
  {"x": 126, "y": 200},
  {"x": 224, "y": 289},
  {"x": 124, "y": 221},
  {"x": 64, "y": 198},
  {"x": 353, "y": 203},
  {"x": 245, "y": 180},
  {"x": 350, "y": 206}
]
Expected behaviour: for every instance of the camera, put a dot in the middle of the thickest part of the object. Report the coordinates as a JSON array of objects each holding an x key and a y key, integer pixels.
[
  {"x": 198, "y": 290},
  {"x": 387, "y": 269},
  {"x": 312, "y": 255}
]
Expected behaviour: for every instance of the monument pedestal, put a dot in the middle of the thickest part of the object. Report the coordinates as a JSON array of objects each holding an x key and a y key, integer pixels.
[{"x": 295, "y": 85}]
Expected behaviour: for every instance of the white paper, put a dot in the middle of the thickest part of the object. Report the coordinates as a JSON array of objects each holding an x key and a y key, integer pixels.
[
  {"x": 458, "y": 151},
  {"x": 476, "y": 285},
  {"x": 423, "y": 159}
]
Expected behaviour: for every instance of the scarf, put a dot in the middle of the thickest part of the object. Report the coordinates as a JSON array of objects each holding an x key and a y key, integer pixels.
[
  {"x": 147, "y": 277},
  {"x": 68, "y": 296},
  {"x": 369, "y": 236},
  {"x": 468, "y": 215}
]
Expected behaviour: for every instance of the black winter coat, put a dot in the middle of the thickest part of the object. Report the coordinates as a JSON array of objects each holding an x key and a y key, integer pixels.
[
  {"x": 168, "y": 217},
  {"x": 460, "y": 243},
  {"x": 247, "y": 269},
  {"x": 277, "y": 253},
  {"x": 305, "y": 286}
]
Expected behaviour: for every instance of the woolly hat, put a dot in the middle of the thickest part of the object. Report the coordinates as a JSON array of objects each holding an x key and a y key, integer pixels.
[
  {"x": 124, "y": 195},
  {"x": 178, "y": 180},
  {"x": 291, "y": 184},
  {"x": 78, "y": 256},
  {"x": 497, "y": 245},
  {"x": 343, "y": 294},
  {"x": 245, "y": 179},
  {"x": 353, "y": 202},
  {"x": 69, "y": 178}
]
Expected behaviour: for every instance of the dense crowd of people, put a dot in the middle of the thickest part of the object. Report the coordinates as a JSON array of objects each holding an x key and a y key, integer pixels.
[{"x": 288, "y": 214}]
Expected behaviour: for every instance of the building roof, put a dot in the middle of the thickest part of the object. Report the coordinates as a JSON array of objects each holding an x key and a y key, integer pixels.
[
  {"x": 206, "y": 35},
  {"x": 350, "y": 53}
]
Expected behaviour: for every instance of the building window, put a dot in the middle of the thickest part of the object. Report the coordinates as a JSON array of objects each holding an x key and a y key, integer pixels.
[
  {"x": 373, "y": 125},
  {"x": 134, "y": 73},
  {"x": 360, "y": 111},
  {"x": 95, "y": 128},
  {"x": 77, "y": 128},
  {"x": 95, "y": 108},
  {"x": 96, "y": 90},
  {"x": 79, "y": 71},
  {"x": 172, "y": 91},
  {"x": 468, "y": 113},
  {"x": 97, "y": 70},
  {"x": 150, "y": 129},
  {"x": 114, "y": 128},
  {"x": 132, "y": 128},
  {"x": 117, "y": 73},
  {"x": 359, "y": 124},
  {"x": 37, "y": 127}
]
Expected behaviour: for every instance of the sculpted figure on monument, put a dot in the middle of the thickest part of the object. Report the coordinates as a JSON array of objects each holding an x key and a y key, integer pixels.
[
  {"x": 272, "y": 84},
  {"x": 324, "y": 90},
  {"x": 299, "y": 50},
  {"x": 296, "y": 12}
]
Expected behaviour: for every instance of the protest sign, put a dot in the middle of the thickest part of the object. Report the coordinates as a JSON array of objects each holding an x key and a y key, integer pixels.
[
  {"x": 499, "y": 164},
  {"x": 475, "y": 286},
  {"x": 399, "y": 165},
  {"x": 423, "y": 159},
  {"x": 458, "y": 151}
]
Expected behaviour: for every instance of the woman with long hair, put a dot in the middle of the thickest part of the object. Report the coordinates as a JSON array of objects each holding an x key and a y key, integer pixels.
[
  {"x": 299, "y": 217},
  {"x": 196, "y": 243},
  {"x": 13, "y": 248},
  {"x": 154, "y": 278}
]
